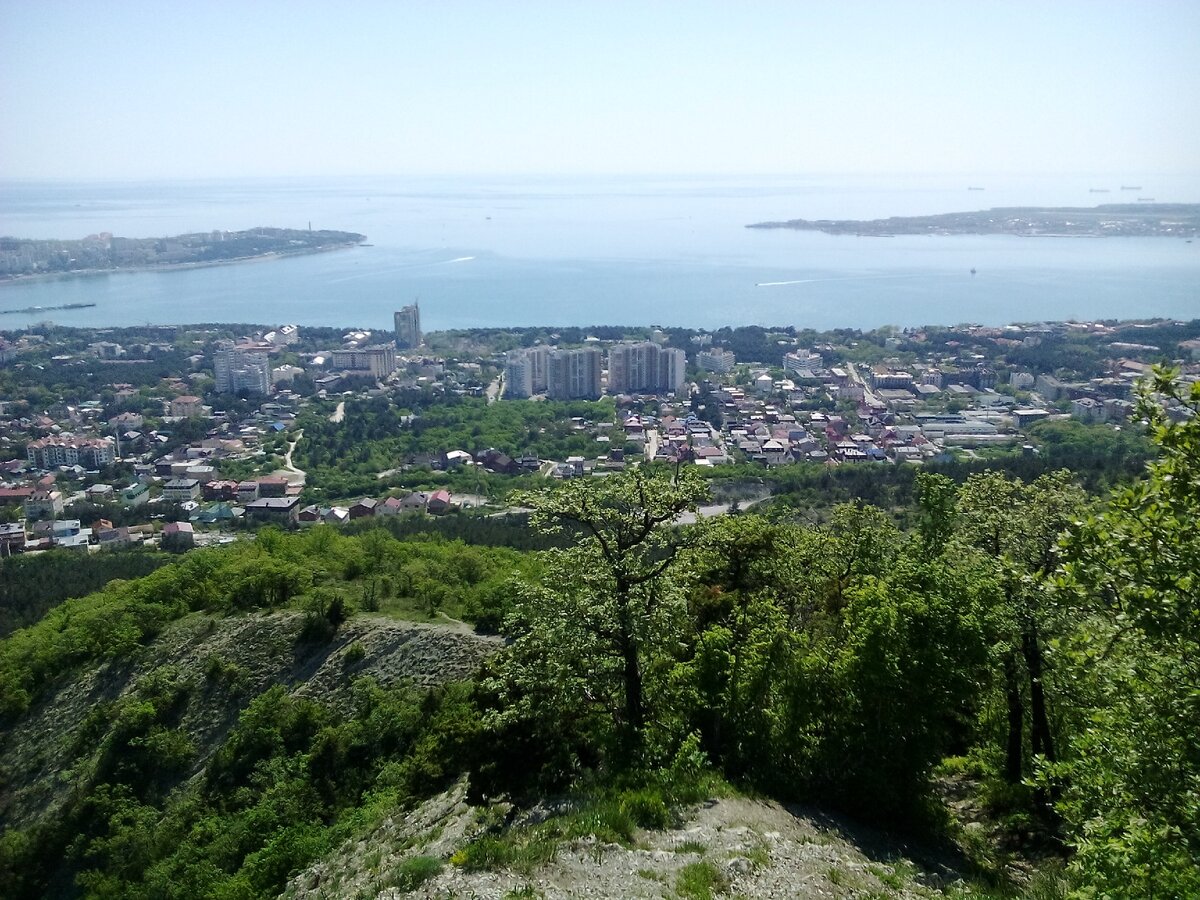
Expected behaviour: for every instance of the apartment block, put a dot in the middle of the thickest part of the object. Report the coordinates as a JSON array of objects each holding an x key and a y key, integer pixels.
[
  {"x": 379, "y": 360},
  {"x": 645, "y": 368},
  {"x": 68, "y": 450},
  {"x": 241, "y": 370},
  {"x": 716, "y": 360},
  {"x": 408, "y": 327},
  {"x": 526, "y": 372},
  {"x": 574, "y": 374}
]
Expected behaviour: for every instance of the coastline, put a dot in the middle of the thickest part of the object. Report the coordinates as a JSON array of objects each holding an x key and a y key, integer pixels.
[
  {"x": 1157, "y": 220},
  {"x": 168, "y": 267}
]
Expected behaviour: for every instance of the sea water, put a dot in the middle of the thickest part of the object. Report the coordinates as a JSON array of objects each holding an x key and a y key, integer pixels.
[{"x": 494, "y": 252}]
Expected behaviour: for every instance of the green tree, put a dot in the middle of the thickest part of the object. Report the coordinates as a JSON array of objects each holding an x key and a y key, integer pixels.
[
  {"x": 832, "y": 662},
  {"x": 1015, "y": 527},
  {"x": 610, "y": 607},
  {"x": 1132, "y": 774}
]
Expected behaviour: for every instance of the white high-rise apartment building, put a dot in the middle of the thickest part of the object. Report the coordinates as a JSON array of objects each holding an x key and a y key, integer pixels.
[
  {"x": 574, "y": 374},
  {"x": 645, "y": 368},
  {"x": 526, "y": 372},
  {"x": 518, "y": 375},
  {"x": 241, "y": 370},
  {"x": 672, "y": 369}
]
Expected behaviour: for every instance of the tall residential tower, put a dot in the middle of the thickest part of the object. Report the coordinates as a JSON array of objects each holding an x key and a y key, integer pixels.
[
  {"x": 408, "y": 327},
  {"x": 241, "y": 370},
  {"x": 574, "y": 374},
  {"x": 645, "y": 368}
]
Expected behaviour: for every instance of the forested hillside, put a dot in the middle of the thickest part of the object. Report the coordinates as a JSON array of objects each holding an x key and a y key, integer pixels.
[{"x": 1030, "y": 643}]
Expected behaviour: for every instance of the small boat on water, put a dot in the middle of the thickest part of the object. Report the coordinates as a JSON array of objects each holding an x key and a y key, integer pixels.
[
  {"x": 1099, "y": 191},
  {"x": 972, "y": 270},
  {"x": 1126, "y": 187}
]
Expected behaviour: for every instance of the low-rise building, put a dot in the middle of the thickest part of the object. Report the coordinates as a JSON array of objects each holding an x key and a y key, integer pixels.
[
  {"x": 15, "y": 496},
  {"x": 112, "y": 538},
  {"x": 203, "y": 473},
  {"x": 136, "y": 494},
  {"x": 178, "y": 490},
  {"x": 99, "y": 493},
  {"x": 284, "y": 510},
  {"x": 390, "y": 506},
  {"x": 272, "y": 486},
  {"x": 1022, "y": 418},
  {"x": 44, "y": 504},
  {"x": 187, "y": 406},
  {"x": 178, "y": 536},
  {"x": 219, "y": 490},
  {"x": 12, "y": 537},
  {"x": 1087, "y": 410},
  {"x": 68, "y": 534},
  {"x": 414, "y": 502}
]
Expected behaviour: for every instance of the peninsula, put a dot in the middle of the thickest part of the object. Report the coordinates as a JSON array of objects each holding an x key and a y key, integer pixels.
[
  {"x": 1109, "y": 220},
  {"x": 22, "y": 257}
]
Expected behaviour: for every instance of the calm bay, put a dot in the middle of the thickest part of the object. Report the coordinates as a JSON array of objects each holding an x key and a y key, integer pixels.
[{"x": 674, "y": 251}]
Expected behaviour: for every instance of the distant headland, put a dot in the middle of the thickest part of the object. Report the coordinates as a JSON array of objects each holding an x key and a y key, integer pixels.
[
  {"x": 22, "y": 258},
  {"x": 1109, "y": 220}
]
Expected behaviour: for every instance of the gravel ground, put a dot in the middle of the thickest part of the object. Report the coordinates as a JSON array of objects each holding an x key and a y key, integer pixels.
[{"x": 750, "y": 848}]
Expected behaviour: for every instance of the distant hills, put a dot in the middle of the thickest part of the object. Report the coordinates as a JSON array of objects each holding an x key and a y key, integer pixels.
[
  {"x": 104, "y": 252},
  {"x": 1109, "y": 220}
]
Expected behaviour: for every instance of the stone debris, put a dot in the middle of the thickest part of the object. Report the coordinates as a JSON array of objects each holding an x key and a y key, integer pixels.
[{"x": 759, "y": 850}]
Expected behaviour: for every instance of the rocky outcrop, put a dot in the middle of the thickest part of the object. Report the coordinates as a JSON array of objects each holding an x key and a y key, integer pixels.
[
  {"x": 742, "y": 847},
  {"x": 224, "y": 664}
]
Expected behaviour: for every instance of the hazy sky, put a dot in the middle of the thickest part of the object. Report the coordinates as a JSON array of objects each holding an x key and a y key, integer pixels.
[{"x": 255, "y": 87}]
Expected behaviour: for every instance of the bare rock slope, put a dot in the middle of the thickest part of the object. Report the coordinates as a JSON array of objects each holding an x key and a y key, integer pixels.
[
  {"x": 224, "y": 663},
  {"x": 732, "y": 846}
]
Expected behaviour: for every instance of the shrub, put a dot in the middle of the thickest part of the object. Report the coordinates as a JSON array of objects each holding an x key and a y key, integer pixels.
[
  {"x": 354, "y": 653},
  {"x": 646, "y": 808},
  {"x": 700, "y": 881},
  {"x": 324, "y": 612},
  {"x": 416, "y": 871},
  {"x": 520, "y": 852}
]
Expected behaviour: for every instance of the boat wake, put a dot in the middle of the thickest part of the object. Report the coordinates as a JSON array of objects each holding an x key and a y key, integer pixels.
[
  {"x": 842, "y": 278},
  {"x": 421, "y": 265}
]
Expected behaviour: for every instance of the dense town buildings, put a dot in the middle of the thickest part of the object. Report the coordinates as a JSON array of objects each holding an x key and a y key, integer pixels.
[{"x": 896, "y": 397}]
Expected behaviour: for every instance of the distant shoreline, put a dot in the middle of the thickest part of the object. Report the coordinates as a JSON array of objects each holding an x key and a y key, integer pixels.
[
  {"x": 23, "y": 259},
  {"x": 1177, "y": 220},
  {"x": 168, "y": 267}
]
